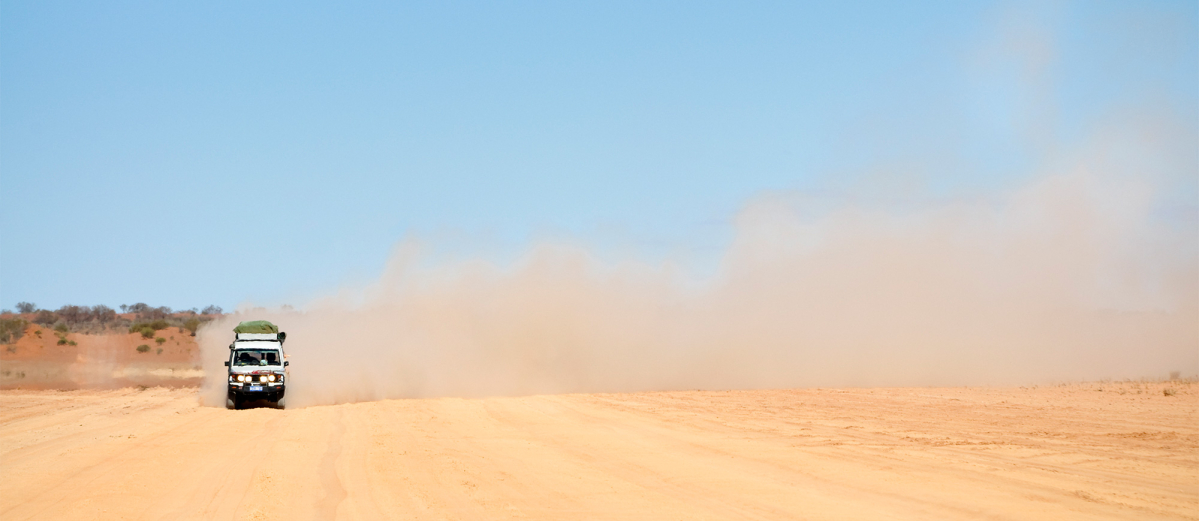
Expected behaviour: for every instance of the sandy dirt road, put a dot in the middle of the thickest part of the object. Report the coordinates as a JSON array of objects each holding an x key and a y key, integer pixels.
[{"x": 1066, "y": 452}]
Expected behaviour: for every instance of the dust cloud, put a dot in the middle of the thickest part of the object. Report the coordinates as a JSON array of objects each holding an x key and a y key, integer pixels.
[{"x": 1076, "y": 275}]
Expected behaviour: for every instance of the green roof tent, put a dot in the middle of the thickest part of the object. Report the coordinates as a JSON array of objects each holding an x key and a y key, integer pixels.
[
  {"x": 256, "y": 326},
  {"x": 259, "y": 327}
]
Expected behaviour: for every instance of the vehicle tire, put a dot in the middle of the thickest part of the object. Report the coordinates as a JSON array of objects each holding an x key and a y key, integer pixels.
[
  {"x": 230, "y": 402},
  {"x": 281, "y": 403}
]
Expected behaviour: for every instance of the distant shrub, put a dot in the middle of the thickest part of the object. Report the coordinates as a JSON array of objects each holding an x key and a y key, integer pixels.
[
  {"x": 160, "y": 340},
  {"x": 12, "y": 329},
  {"x": 191, "y": 325},
  {"x": 61, "y": 327},
  {"x": 75, "y": 314},
  {"x": 212, "y": 310},
  {"x": 45, "y": 317},
  {"x": 1169, "y": 392},
  {"x": 149, "y": 313},
  {"x": 159, "y": 351},
  {"x": 71, "y": 343},
  {"x": 26, "y": 307},
  {"x": 148, "y": 329},
  {"x": 62, "y": 340},
  {"x": 154, "y": 325},
  {"x": 103, "y": 314},
  {"x": 143, "y": 348}
]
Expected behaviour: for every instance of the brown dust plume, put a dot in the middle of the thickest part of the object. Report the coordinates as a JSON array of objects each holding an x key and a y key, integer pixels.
[{"x": 1073, "y": 276}]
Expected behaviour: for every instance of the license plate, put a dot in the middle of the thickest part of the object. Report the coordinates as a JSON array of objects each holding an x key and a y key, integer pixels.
[{"x": 255, "y": 387}]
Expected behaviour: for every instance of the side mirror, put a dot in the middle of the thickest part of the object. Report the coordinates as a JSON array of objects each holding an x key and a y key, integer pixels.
[
  {"x": 226, "y": 363},
  {"x": 286, "y": 363}
]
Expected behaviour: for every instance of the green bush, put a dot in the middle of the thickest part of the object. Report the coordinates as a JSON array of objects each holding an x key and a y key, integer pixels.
[
  {"x": 61, "y": 327},
  {"x": 159, "y": 351},
  {"x": 152, "y": 327},
  {"x": 160, "y": 340},
  {"x": 12, "y": 329},
  {"x": 62, "y": 340},
  {"x": 143, "y": 348},
  {"x": 192, "y": 325},
  {"x": 71, "y": 343}
]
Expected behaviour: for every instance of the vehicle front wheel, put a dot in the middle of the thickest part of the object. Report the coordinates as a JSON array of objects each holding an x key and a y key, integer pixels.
[{"x": 230, "y": 402}]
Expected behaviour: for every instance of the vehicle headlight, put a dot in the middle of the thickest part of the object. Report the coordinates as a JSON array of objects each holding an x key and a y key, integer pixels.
[
  {"x": 271, "y": 378},
  {"x": 241, "y": 377}
]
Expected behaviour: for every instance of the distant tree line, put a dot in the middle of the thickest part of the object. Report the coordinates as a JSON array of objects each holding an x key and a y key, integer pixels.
[{"x": 70, "y": 317}]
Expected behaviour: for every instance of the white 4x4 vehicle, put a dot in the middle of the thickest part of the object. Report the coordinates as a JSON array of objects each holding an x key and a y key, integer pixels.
[{"x": 257, "y": 366}]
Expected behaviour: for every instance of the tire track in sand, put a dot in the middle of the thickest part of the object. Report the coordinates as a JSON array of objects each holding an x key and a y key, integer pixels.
[{"x": 335, "y": 491}]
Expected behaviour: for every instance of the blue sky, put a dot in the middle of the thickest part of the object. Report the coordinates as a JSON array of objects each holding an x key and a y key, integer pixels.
[{"x": 185, "y": 155}]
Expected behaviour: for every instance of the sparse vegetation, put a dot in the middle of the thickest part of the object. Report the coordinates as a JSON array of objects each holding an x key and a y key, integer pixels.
[
  {"x": 103, "y": 314},
  {"x": 143, "y": 348},
  {"x": 191, "y": 325},
  {"x": 1169, "y": 391},
  {"x": 74, "y": 314},
  {"x": 101, "y": 318},
  {"x": 146, "y": 312},
  {"x": 160, "y": 340},
  {"x": 61, "y": 327},
  {"x": 45, "y": 317},
  {"x": 149, "y": 329},
  {"x": 159, "y": 351},
  {"x": 12, "y": 329},
  {"x": 155, "y": 325},
  {"x": 62, "y": 340}
]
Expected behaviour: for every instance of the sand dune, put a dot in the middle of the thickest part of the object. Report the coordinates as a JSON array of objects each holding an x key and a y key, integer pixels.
[{"x": 1086, "y": 451}]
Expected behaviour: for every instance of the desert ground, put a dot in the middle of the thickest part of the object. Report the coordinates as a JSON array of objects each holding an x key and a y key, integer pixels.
[
  {"x": 1124, "y": 450},
  {"x": 38, "y": 361}
]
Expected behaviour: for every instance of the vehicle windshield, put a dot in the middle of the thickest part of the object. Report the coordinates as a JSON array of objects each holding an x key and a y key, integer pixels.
[{"x": 244, "y": 357}]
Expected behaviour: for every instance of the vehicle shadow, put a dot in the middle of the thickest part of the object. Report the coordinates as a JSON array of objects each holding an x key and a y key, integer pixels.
[{"x": 259, "y": 404}]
